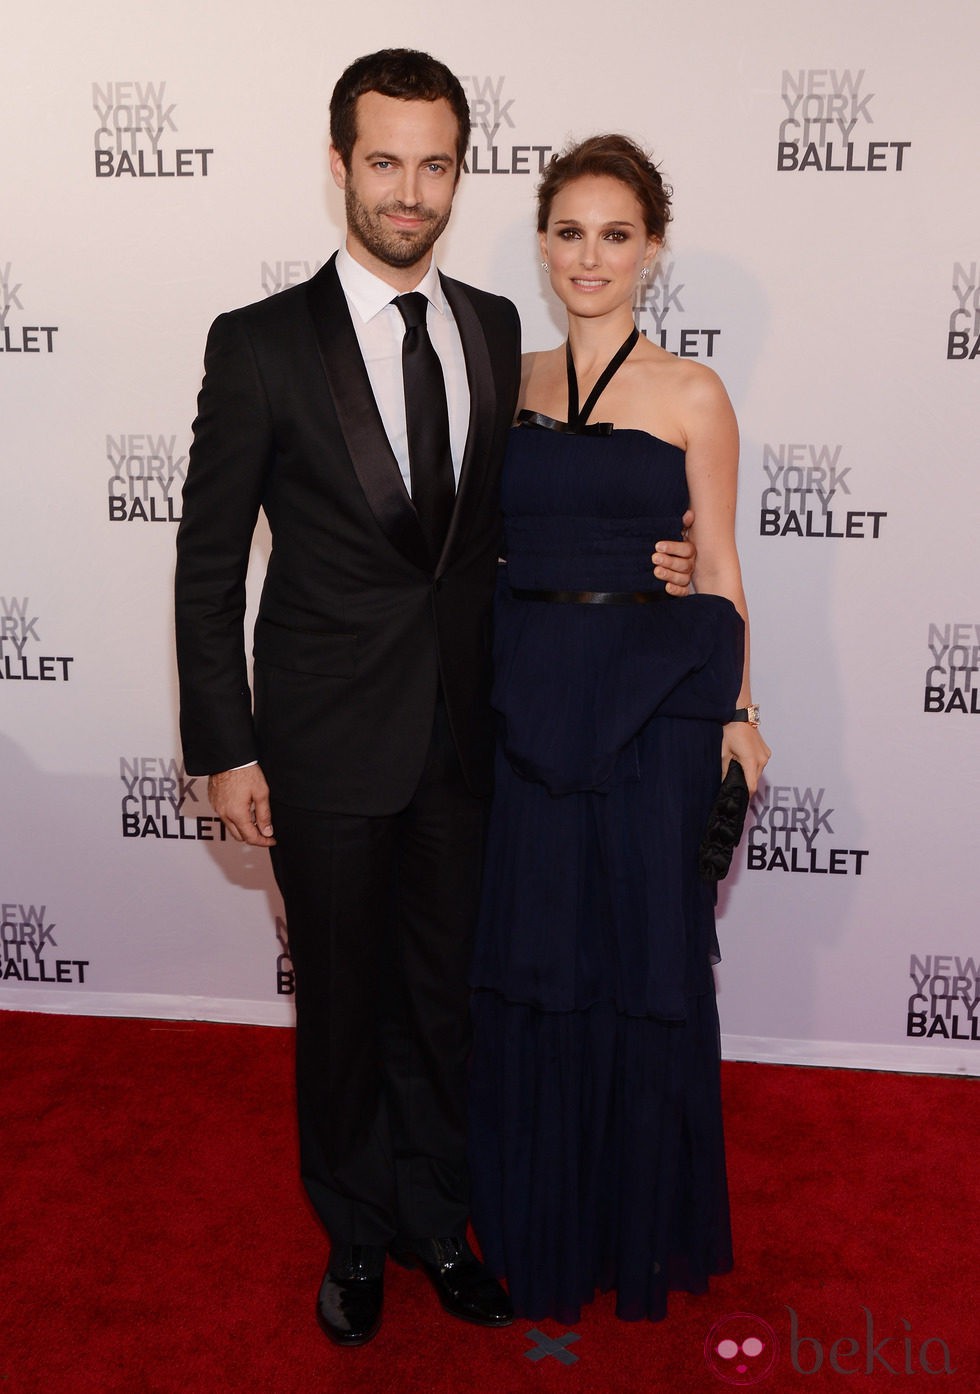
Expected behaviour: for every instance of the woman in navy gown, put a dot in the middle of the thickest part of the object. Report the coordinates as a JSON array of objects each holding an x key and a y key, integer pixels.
[{"x": 596, "y": 1134}]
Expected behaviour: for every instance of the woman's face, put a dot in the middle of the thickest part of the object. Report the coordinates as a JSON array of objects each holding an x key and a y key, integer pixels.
[{"x": 595, "y": 244}]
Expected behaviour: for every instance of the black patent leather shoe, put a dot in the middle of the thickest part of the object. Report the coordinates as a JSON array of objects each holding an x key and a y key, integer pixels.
[
  {"x": 464, "y": 1286},
  {"x": 348, "y": 1305}
]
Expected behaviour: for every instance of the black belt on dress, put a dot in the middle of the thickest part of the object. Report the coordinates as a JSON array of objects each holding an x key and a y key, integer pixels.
[{"x": 591, "y": 597}]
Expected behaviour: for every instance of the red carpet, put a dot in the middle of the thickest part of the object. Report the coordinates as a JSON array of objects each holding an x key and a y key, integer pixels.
[{"x": 155, "y": 1239}]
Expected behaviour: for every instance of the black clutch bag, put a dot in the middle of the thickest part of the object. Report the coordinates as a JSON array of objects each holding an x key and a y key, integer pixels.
[{"x": 725, "y": 823}]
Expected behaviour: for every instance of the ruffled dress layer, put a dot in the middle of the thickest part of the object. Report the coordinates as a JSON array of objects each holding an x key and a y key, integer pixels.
[{"x": 597, "y": 1151}]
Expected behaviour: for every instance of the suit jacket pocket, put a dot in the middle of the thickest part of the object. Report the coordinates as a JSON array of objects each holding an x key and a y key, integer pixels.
[{"x": 328, "y": 655}]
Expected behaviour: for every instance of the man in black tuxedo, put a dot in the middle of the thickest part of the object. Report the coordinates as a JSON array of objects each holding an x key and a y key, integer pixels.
[{"x": 369, "y": 424}]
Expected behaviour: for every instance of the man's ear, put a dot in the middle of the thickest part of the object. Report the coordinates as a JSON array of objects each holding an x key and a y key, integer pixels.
[{"x": 337, "y": 168}]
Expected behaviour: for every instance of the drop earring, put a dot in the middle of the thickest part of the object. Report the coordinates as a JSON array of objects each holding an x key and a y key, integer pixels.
[{"x": 545, "y": 266}]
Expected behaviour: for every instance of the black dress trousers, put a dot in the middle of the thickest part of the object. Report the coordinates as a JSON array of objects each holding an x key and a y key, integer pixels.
[{"x": 380, "y": 914}]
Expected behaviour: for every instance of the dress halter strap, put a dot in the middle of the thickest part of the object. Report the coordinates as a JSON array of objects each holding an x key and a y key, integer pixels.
[{"x": 576, "y": 418}]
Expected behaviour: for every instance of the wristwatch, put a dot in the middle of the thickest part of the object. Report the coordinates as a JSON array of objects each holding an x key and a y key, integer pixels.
[{"x": 749, "y": 714}]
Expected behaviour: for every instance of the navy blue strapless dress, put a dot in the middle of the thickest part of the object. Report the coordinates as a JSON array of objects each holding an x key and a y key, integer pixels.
[{"x": 597, "y": 1152}]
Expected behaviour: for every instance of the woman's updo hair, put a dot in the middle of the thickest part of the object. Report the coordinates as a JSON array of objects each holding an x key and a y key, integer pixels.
[{"x": 617, "y": 157}]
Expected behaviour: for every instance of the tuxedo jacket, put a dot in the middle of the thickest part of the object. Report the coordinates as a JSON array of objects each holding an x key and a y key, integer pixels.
[{"x": 357, "y": 623}]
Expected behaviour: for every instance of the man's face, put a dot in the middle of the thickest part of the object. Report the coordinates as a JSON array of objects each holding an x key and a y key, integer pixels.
[{"x": 399, "y": 189}]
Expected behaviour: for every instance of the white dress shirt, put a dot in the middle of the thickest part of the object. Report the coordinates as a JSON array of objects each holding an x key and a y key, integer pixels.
[{"x": 380, "y": 329}]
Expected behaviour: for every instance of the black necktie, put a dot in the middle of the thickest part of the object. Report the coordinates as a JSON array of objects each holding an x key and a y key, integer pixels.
[{"x": 427, "y": 417}]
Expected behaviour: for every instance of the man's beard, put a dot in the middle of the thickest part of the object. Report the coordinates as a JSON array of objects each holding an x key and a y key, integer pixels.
[{"x": 389, "y": 245}]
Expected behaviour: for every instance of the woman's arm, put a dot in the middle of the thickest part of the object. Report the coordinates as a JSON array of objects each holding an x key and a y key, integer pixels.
[{"x": 711, "y": 433}]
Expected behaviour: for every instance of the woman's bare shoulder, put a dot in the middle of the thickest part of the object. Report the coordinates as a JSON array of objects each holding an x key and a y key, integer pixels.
[
  {"x": 687, "y": 374},
  {"x": 537, "y": 368},
  {"x": 686, "y": 381},
  {"x": 541, "y": 360},
  {"x": 676, "y": 398}
]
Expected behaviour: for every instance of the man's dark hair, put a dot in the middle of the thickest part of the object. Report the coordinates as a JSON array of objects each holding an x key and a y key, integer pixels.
[{"x": 405, "y": 73}]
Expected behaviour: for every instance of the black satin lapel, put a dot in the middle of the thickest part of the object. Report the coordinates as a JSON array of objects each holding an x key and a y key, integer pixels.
[
  {"x": 360, "y": 421},
  {"x": 483, "y": 400}
]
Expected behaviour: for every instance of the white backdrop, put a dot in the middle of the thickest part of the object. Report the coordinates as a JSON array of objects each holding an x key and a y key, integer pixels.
[{"x": 162, "y": 164}]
